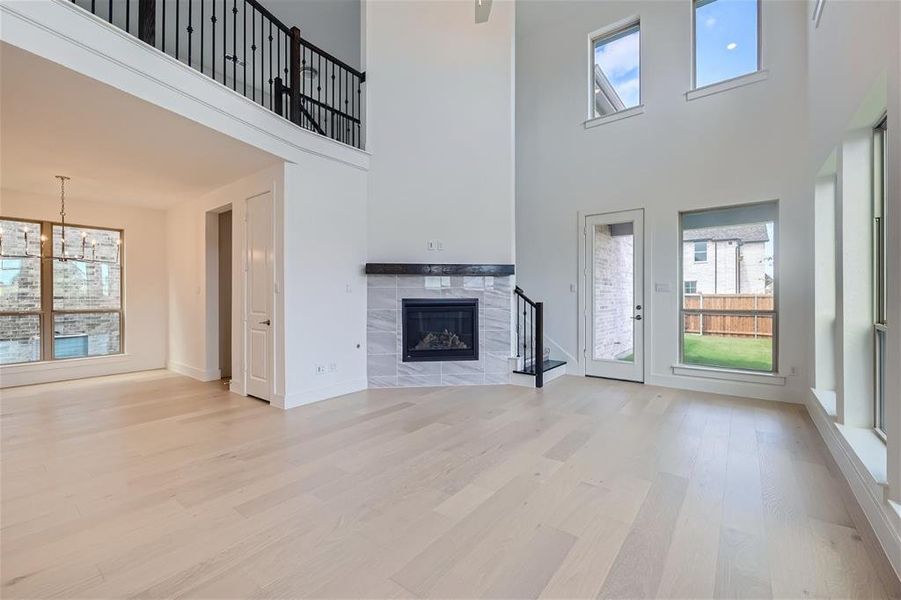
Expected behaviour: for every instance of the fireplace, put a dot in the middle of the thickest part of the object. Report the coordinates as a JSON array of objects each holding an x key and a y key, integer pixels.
[{"x": 440, "y": 329}]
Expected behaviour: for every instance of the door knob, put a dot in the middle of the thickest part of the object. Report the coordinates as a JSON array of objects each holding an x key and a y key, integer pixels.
[
  {"x": 638, "y": 317},
  {"x": 266, "y": 322},
  {"x": 638, "y": 307}
]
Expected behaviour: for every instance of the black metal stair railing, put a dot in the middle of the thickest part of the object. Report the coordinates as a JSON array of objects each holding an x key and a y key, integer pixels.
[
  {"x": 530, "y": 335},
  {"x": 242, "y": 45}
]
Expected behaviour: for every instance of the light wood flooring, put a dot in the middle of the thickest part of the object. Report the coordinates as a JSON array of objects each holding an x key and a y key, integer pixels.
[{"x": 154, "y": 485}]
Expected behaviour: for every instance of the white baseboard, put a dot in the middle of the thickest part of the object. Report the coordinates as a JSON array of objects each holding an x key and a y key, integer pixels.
[
  {"x": 295, "y": 399},
  {"x": 743, "y": 389},
  {"x": 75, "y": 368},
  {"x": 193, "y": 372},
  {"x": 870, "y": 495}
]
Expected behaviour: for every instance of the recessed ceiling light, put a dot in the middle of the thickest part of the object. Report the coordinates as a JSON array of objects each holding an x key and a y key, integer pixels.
[{"x": 731, "y": 46}]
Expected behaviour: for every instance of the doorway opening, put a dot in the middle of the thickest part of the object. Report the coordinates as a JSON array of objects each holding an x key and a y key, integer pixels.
[{"x": 225, "y": 295}]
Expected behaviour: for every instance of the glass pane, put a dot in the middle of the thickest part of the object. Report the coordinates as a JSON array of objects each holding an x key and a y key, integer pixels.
[
  {"x": 710, "y": 340},
  {"x": 87, "y": 243},
  {"x": 613, "y": 304},
  {"x": 80, "y": 285},
  {"x": 20, "y": 278},
  {"x": 724, "y": 294},
  {"x": 20, "y": 339},
  {"x": 87, "y": 334},
  {"x": 725, "y": 40},
  {"x": 616, "y": 72},
  {"x": 83, "y": 284}
]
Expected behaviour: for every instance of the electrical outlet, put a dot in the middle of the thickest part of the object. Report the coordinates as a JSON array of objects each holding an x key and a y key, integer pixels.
[
  {"x": 348, "y": 289},
  {"x": 794, "y": 370},
  {"x": 320, "y": 369},
  {"x": 430, "y": 245},
  {"x": 440, "y": 246},
  {"x": 572, "y": 287}
]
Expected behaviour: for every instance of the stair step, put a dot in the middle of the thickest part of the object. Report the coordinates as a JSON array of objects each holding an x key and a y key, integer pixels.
[{"x": 548, "y": 365}]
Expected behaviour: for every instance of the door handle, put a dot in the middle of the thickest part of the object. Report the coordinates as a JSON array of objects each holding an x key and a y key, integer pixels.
[
  {"x": 266, "y": 322},
  {"x": 637, "y": 317}
]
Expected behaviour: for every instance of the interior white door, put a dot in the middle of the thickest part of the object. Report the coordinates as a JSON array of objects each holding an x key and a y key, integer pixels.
[
  {"x": 614, "y": 280},
  {"x": 258, "y": 313}
]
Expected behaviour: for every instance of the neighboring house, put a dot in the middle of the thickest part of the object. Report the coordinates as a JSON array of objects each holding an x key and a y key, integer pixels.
[{"x": 726, "y": 260}]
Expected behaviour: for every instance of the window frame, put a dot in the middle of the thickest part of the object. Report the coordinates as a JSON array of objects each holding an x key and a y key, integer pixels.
[
  {"x": 880, "y": 270},
  {"x": 693, "y": 83},
  {"x": 685, "y": 286},
  {"x": 774, "y": 313},
  {"x": 47, "y": 313},
  {"x": 594, "y": 37}
]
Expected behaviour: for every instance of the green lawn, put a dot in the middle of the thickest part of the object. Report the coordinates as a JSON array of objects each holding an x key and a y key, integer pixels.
[{"x": 728, "y": 352}]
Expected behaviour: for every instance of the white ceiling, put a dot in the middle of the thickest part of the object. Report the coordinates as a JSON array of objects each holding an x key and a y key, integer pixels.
[{"x": 115, "y": 147}]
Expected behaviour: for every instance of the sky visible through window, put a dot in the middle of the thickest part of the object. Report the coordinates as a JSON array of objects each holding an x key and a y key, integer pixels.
[
  {"x": 725, "y": 40},
  {"x": 617, "y": 56}
]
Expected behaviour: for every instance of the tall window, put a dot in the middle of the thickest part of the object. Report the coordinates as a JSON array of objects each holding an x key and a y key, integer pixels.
[
  {"x": 728, "y": 299},
  {"x": 616, "y": 72},
  {"x": 880, "y": 272},
  {"x": 726, "y": 43},
  {"x": 59, "y": 300}
]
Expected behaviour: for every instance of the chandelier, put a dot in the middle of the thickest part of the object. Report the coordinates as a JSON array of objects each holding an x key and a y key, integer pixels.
[{"x": 65, "y": 254}]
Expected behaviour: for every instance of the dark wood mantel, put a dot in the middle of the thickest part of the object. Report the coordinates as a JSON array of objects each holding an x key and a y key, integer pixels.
[{"x": 438, "y": 269}]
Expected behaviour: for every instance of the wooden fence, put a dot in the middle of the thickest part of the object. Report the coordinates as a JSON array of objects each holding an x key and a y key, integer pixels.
[{"x": 742, "y": 324}]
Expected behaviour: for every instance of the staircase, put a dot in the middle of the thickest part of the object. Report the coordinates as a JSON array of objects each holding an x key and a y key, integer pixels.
[
  {"x": 243, "y": 46},
  {"x": 532, "y": 356}
]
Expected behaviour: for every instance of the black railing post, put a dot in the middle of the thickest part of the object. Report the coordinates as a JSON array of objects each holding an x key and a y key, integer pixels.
[
  {"x": 295, "y": 75},
  {"x": 539, "y": 344},
  {"x": 147, "y": 21},
  {"x": 278, "y": 96}
]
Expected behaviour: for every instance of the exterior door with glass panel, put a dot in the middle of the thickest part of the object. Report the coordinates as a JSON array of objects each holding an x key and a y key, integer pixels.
[{"x": 614, "y": 275}]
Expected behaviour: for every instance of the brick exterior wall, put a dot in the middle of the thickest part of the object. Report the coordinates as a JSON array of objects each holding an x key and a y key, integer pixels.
[
  {"x": 717, "y": 275},
  {"x": 613, "y": 294}
]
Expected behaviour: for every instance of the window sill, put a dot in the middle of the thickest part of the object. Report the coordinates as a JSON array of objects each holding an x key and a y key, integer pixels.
[
  {"x": 729, "y": 84},
  {"x": 826, "y": 398},
  {"x": 617, "y": 116},
  {"x": 870, "y": 451},
  {"x": 728, "y": 374}
]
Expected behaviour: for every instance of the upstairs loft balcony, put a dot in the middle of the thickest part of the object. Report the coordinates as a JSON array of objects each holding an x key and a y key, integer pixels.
[{"x": 243, "y": 46}]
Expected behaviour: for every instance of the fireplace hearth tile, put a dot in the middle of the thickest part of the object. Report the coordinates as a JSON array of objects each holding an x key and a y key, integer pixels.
[
  {"x": 381, "y": 281},
  {"x": 419, "y": 368},
  {"x": 381, "y": 342},
  {"x": 382, "y": 382},
  {"x": 418, "y": 380},
  {"x": 382, "y": 298},
  {"x": 382, "y": 365},
  {"x": 382, "y": 320},
  {"x": 495, "y": 318},
  {"x": 463, "y": 379}
]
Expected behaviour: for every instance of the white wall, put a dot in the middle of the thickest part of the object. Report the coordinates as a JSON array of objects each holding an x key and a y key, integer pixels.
[
  {"x": 324, "y": 291},
  {"x": 440, "y": 129},
  {"x": 144, "y": 286},
  {"x": 333, "y": 25},
  {"x": 678, "y": 155}
]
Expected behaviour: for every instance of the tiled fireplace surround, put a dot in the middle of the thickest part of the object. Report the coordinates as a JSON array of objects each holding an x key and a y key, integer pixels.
[{"x": 384, "y": 328}]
